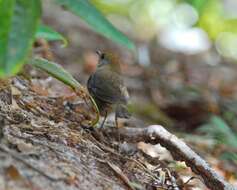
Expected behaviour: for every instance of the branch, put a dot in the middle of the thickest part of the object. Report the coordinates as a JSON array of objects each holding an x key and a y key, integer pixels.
[{"x": 155, "y": 134}]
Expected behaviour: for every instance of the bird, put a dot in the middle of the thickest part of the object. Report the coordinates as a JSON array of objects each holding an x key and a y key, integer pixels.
[{"x": 107, "y": 87}]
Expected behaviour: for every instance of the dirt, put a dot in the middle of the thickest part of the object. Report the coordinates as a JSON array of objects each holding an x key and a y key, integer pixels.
[{"x": 44, "y": 145}]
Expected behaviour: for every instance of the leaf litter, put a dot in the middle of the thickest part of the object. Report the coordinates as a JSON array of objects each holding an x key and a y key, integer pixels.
[{"x": 45, "y": 144}]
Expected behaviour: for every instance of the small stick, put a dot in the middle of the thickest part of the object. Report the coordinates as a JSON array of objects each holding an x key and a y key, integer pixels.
[{"x": 119, "y": 172}]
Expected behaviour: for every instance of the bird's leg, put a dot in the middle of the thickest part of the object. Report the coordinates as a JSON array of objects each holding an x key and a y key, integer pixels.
[
  {"x": 116, "y": 124},
  {"x": 105, "y": 117}
]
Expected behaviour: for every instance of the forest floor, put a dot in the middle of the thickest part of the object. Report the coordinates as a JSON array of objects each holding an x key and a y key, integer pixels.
[{"x": 46, "y": 143}]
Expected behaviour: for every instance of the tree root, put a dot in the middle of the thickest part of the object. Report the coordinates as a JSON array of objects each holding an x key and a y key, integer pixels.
[{"x": 180, "y": 151}]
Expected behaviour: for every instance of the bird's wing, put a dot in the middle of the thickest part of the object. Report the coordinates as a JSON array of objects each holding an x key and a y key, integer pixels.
[{"x": 108, "y": 87}]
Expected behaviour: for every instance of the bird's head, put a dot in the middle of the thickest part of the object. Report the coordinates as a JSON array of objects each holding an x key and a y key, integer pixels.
[{"x": 108, "y": 59}]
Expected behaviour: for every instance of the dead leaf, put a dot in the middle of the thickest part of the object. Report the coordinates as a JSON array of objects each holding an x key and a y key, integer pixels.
[
  {"x": 13, "y": 173},
  {"x": 15, "y": 91},
  {"x": 25, "y": 147},
  {"x": 71, "y": 180},
  {"x": 39, "y": 90},
  {"x": 14, "y": 104},
  {"x": 155, "y": 151}
]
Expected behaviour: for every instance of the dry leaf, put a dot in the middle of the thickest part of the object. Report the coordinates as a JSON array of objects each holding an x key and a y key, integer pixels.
[
  {"x": 13, "y": 173},
  {"x": 15, "y": 91},
  {"x": 25, "y": 147},
  {"x": 155, "y": 151}
]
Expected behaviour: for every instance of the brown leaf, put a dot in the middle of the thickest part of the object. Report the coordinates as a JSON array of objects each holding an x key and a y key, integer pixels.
[
  {"x": 39, "y": 90},
  {"x": 71, "y": 180},
  {"x": 13, "y": 173}
]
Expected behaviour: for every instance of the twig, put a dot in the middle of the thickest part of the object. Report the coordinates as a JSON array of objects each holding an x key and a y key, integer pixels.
[
  {"x": 190, "y": 179},
  {"x": 119, "y": 172},
  {"x": 180, "y": 151},
  {"x": 5, "y": 116}
]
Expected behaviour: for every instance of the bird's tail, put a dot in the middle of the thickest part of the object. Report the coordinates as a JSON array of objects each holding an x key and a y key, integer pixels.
[{"x": 122, "y": 111}]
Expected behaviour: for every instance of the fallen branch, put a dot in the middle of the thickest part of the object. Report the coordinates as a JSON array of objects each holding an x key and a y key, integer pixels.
[{"x": 180, "y": 151}]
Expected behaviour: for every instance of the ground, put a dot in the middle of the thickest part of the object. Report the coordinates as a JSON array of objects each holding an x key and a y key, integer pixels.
[{"x": 47, "y": 143}]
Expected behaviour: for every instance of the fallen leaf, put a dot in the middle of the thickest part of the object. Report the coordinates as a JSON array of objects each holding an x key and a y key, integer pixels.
[
  {"x": 25, "y": 147},
  {"x": 155, "y": 151},
  {"x": 15, "y": 91},
  {"x": 13, "y": 173}
]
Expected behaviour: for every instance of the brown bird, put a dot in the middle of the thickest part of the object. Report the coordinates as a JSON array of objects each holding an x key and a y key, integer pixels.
[{"x": 107, "y": 88}]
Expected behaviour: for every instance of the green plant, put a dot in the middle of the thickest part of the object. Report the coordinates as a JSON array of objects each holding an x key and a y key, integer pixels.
[
  {"x": 219, "y": 130},
  {"x": 59, "y": 73},
  {"x": 213, "y": 17},
  {"x": 49, "y": 34},
  {"x": 19, "y": 21}
]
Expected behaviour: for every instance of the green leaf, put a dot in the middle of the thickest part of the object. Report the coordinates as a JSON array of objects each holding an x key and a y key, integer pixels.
[
  {"x": 96, "y": 20},
  {"x": 219, "y": 130},
  {"x": 18, "y": 21},
  {"x": 113, "y": 7},
  {"x": 231, "y": 156},
  {"x": 49, "y": 34},
  {"x": 57, "y": 71},
  {"x": 197, "y": 4},
  {"x": 211, "y": 19},
  {"x": 230, "y": 25}
]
